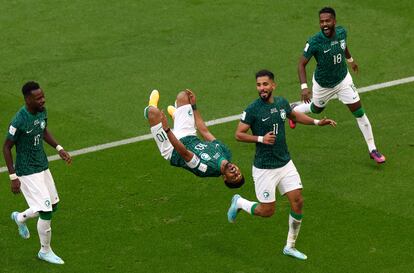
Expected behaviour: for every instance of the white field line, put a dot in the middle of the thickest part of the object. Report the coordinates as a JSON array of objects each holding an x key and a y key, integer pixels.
[{"x": 208, "y": 123}]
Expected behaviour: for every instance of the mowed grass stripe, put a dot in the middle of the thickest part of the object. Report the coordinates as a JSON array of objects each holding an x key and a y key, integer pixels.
[{"x": 209, "y": 123}]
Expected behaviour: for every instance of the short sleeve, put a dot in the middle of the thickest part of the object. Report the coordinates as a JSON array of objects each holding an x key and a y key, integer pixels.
[
  {"x": 247, "y": 116},
  {"x": 15, "y": 129},
  {"x": 309, "y": 49},
  {"x": 286, "y": 106}
]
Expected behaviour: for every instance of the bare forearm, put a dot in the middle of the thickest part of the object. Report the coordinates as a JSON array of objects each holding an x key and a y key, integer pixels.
[
  {"x": 303, "y": 118},
  {"x": 8, "y": 157},
  {"x": 179, "y": 146},
  {"x": 47, "y": 136},
  {"x": 245, "y": 137}
]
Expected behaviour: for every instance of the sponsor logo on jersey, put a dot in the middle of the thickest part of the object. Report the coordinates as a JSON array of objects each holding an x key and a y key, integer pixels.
[
  {"x": 326, "y": 51},
  {"x": 36, "y": 122},
  {"x": 29, "y": 131},
  {"x": 12, "y": 130},
  {"x": 43, "y": 124},
  {"x": 205, "y": 156},
  {"x": 273, "y": 110},
  {"x": 334, "y": 43},
  {"x": 343, "y": 44},
  {"x": 282, "y": 114},
  {"x": 264, "y": 119}
]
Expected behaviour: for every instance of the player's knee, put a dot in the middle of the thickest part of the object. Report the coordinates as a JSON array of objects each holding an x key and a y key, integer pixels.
[
  {"x": 315, "y": 109},
  {"x": 297, "y": 203},
  {"x": 45, "y": 215},
  {"x": 359, "y": 112},
  {"x": 182, "y": 99}
]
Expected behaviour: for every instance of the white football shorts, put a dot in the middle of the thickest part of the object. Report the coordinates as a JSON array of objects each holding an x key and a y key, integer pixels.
[
  {"x": 345, "y": 90},
  {"x": 184, "y": 125},
  {"x": 39, "y": 190},
  {"x": 285, "y": 178}
]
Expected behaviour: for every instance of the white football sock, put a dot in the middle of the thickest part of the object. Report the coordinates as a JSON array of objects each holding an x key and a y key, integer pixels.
[
  {"x": 366, "y": 129},
  {"x": 26, "y": 215},
  {"x": 245, "y": 205},
  {"x": 303, "y": 108},
  {"x": 45, "y": 234},
  {"x": 294, "y": 227}
]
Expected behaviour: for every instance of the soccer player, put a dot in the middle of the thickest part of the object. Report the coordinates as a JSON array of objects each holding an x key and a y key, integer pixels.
[
  {"x": 272, "y": 166},
  {"x": 331, "y": 76},
  {"x": 31, "y": 173},
  {"x": 182, "y": 147}
]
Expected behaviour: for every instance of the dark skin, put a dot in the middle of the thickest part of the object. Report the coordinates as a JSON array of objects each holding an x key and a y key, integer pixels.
[
  {"x": 34, "y": 103},
  {"x": 265, "y": 87},
  {"x": 327, "y": 25},
  {"x": 230, "y": 171}
]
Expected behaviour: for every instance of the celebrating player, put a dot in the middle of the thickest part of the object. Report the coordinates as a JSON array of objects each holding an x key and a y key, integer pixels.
[
  {"x": 183, "y": 148},
  {"x": 272, "y": 166},
  {"x": 331, "y": 77},
  {"x": 31, "y": 175}
]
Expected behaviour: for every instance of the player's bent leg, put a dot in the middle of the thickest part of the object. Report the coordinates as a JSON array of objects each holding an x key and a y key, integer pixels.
[
  {"x": 153, "y": 101},
  {"x": 171, "y": 110},
  {"x": 316, "y": 109},
  {"x": 21, "y": 226},
  {"x": 265, "y": 209}
]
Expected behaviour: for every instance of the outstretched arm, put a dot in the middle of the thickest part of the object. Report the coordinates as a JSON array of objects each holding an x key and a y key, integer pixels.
[
  {"x": 306, "y": 94},
  {"x": 351, "y": 60},
  {"x": 47, "y": 136},
  {"x": 243, "y": 136},
  {"x": 305, "y": 119},
  {"x": 15, "y": 182},
  {"x": 201, "y": 126},
  {"x": 178, "y": 145}
]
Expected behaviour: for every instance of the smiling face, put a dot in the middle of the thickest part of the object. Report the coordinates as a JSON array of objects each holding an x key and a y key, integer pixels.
[
  {"x": 327, "y": 24},
  {"x": 265, "y": 86},
  {"x": 232, "y": 176}
]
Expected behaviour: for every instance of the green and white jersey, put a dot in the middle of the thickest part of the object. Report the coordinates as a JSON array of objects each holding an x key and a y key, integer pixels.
[
  {"x": 26, "y": 131},
  {"x": 329, "y": 53},
  {"x": 211, "y": 154},
  {"x": 264, "y": 118}
]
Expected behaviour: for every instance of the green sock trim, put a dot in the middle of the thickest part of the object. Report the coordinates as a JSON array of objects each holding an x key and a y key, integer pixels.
[
  {"x": 253, "y": 207},
  {"x": 45, "y": 215},
  {"x": 358, "y": 113},
  {"x": 55, "y": 207},
  {"x": 314, "y": 110},
  {"x": 146, "y": 112},
  {"x": 296, "y": 215}
]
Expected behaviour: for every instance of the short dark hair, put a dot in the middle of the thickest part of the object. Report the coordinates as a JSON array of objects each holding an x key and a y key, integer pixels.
[
  {"x": 328, "y": 10},
  {"x": 235, "y": 185},
  {"x": 264, "y": 73},
  {"x": 29, "y": 87}
]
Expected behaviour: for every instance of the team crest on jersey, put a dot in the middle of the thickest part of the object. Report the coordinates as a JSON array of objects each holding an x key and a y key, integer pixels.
[
  {"x": 282, "y": 114},
  {"x": 266, "y": 195},
  {"x": 205, "y": 156},
  {"x": 343, "y": 44},
  {"x": 43, "y": 124}
]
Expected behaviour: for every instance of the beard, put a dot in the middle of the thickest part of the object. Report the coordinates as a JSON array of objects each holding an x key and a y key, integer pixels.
[{"x": 265, "y": 96}]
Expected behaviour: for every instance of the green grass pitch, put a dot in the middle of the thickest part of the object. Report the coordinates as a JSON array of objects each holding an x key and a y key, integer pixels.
[{"x": 126, "y": 210}]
